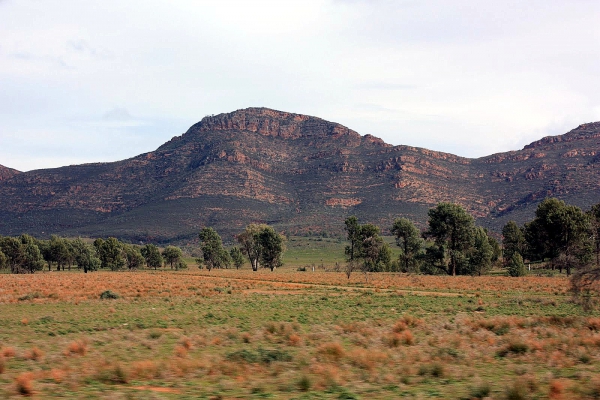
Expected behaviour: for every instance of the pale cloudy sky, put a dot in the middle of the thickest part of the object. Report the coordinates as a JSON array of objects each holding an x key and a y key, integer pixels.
[{"x": 87, "y": 81}]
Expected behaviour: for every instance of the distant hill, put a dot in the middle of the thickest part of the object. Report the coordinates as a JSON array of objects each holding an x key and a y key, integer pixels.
[{"x": 297, "y": 172}]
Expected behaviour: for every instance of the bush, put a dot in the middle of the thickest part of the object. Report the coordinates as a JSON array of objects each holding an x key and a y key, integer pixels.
[
  {"x": 107, "y": 294},
  {"x": 513, "y": 347},
  {"x": 304, "y": 384},
  {"x": 265, "y": 356}
]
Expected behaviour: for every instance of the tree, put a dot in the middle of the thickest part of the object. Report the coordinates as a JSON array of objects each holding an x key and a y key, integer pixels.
[
  {"x": 451, "y": 228},
  {"x": 367, "y": 251},
  {"x": 151, "y": 254},
  {"x": 373, "y": 252},
  {"x": 408, "y": 238},
  {"x": 480, "y": 257},
  {"x": 594, "y": 215},
  {"x": 214, "y": 254},
  {"x": 353, "y": 236},
  {"x": 110, "y": 253},
  {"x": 515, "y": 265},
  {"x": 32, "y": 260},
  {"x": 14, "y": 252},
  {"x": 262, "y": 245},
  {"x": 172, "y": 256},
  {"x": 59, "y": 252},
  {"x": 561, "y": 233},
  {"x": 237, "y": 257},
  {"x": 133, "y": 257},
  {"x": 272, "y": 248},
  {"x": 85, "y": 256},
  {"x": 513, "y": 240},
  {"x": 250, "y": 245},
  {"x": 3, "y": 260}
]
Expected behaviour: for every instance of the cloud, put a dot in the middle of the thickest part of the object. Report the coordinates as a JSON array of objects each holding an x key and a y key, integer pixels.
[{"x": 467, "y": 77}]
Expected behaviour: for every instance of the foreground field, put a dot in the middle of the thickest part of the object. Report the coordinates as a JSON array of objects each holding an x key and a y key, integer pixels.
[{"x": 288, "y": 334}]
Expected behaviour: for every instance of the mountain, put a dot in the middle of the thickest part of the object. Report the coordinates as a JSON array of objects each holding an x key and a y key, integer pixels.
[
  {"x": 6, "y": 173},
  {"x": 297, "y": 172}
]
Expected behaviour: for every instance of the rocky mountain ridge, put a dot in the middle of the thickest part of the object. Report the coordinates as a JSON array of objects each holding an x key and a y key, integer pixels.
[{"x": 297, "y": 172}]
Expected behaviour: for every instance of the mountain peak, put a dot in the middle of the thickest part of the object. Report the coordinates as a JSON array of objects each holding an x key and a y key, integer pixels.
[{"x": 269, "y": 122}]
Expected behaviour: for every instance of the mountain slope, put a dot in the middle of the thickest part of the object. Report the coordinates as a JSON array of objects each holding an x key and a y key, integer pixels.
[
  {"x": 6, "y": 173},
  {"x": 297, "y": 172}
]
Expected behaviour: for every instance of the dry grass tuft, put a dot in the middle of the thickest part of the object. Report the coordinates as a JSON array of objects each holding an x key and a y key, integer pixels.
[
  {"x": 146, "y": 369},
  {"x": 24, "y": 384},
  {"x": 400, "y": 326},
  {"x": 8, "y": 352},
  {"x": 294, "y": 340},
  {"x": 593, "y": 324},
  {"x": 34, "y": 354},
  {"x": 246, "y": 337},
  {"x": 77, "y": 347},
  {"x": 186, "y": 343},
  {"x": 332, "y": 351},
  {"x": 181, "y": 351},
  {"x": 366, "y": 359},
  {"x": 557, "y": 388},
  {"x": 58, "y": 375}
]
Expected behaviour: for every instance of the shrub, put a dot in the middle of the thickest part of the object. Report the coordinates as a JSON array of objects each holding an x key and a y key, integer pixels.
[
  {"x": 115, "y": 374},
  {"x": 435, "y": 370},
  {"x": 265, "y": 356},
  {"x": 304, "y": 383},
  {"x": 30, "y": 296},
  {"x": 517, "y": 392},
  {"x": 480, "y": 392},
  {"x": 243, "y": 355},
  {"x": 515, "y": 348},
  {"x": 107, "y": 294},
  {"x": 154, "y": 334}
]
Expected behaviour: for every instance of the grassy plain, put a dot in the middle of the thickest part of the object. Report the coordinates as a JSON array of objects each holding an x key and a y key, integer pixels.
[{"x": 287, "y": 334}]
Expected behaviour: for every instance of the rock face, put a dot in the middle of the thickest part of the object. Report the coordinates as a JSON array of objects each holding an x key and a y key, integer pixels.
[{"x": 294, "y": 171}]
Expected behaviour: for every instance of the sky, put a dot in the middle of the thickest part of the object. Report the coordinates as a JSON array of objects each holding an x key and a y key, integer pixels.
[{"x": 92, "y": 81}]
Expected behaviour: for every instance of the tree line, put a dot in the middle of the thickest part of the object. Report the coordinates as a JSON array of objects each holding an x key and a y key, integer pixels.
[
  {"x": 452, "y": 245},
  {"x": 561, "y": 236},
  {"x": 260, "y": 243},
  {"x": 26, "y": 254}
]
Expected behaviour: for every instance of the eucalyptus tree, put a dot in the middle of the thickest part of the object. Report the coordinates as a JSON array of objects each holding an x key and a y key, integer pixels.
[
  {"x": 408, "y": 238},
  {"x": 214, "y": 254},
  {"x": 452, "y": 231}
]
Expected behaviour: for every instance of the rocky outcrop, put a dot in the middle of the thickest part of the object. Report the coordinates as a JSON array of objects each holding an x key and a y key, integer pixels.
[{"x": 294, "y": 171}]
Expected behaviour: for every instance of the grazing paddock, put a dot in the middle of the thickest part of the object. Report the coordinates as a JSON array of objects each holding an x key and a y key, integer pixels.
[{"x": 288, "y": 334}]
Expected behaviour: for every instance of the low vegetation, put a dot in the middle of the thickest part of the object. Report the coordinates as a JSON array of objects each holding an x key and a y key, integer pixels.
[{"x": 237, "y": 333}]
